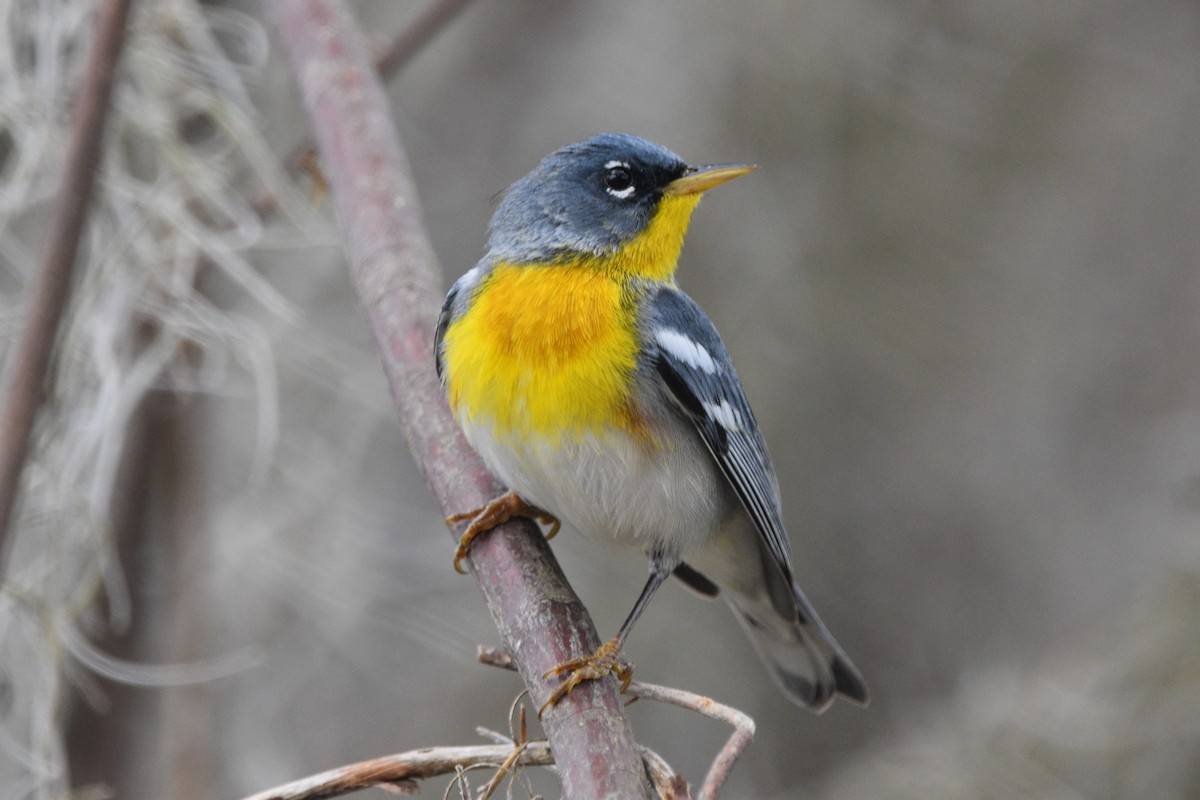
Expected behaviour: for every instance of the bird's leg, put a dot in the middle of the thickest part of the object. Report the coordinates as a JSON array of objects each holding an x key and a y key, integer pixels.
[
  {"x": 607, "y": 659},
  {"x": 498, "y": 511}
]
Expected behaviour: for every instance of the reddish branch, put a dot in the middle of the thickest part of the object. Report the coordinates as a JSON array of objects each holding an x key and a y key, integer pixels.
[
  {"x": 30, "y": 360},
  {"x": 395, "y": 274}
]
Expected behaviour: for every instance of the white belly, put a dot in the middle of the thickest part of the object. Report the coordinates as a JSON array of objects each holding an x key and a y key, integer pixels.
[{"x": 612, "y": 487}]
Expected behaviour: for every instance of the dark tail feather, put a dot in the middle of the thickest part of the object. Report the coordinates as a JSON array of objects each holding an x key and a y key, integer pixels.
[
  {"x": 799, "y": 651},
  {"x": 849, "y": 682}
]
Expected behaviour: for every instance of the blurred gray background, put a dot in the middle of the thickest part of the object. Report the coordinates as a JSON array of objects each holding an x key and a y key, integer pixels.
[{"x": 962, "y": 293}]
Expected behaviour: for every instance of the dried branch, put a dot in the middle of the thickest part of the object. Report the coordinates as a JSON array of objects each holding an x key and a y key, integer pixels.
[
  {"x": 399, "y": 773},
  {"x": 743, "y": 729},
  {"x": 432, "y": 21},
  {"x": 31, "y": 358},
  {"x": 668, "y": 784},
  {"x": 394, "y": 272},
  {"x": 397, "y": 770},
  {"x": 718, "y": 773}
]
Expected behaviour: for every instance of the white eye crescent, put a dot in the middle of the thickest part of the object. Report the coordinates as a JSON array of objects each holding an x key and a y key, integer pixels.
[{"x": 618, "y": 179}]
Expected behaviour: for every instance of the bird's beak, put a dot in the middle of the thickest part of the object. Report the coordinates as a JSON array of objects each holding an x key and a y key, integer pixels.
[{"x": 701, "y": 179}]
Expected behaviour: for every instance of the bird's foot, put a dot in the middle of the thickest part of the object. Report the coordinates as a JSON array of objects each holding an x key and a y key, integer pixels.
[
  {"x": 605, "y": 661},
  {"x": 497, "y": 512}
]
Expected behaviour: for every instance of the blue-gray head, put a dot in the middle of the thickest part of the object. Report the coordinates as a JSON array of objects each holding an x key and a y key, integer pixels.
[{"x": 592, "y": 197}]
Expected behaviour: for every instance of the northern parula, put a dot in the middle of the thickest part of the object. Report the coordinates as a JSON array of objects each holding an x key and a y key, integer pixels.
[{"x": 603, "y": 396}]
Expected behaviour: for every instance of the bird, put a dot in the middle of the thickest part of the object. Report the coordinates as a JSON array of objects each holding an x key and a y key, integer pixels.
[{"x": 602, "y": 395}]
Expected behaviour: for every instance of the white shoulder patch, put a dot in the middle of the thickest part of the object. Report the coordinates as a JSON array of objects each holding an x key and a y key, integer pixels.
[
  {"x": 726, "y": 415},
  {"x": 685, "y": 349}
]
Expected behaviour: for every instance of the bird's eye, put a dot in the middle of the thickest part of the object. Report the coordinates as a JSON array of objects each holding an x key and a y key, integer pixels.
[{"x": 618, "y": 179}]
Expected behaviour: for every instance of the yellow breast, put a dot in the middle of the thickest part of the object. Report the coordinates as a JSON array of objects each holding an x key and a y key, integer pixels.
[
  {"x": 550, "y": 349},
  {"x": 547, "y": 350}
]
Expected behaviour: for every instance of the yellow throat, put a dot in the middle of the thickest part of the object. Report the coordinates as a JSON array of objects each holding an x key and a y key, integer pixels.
[{"x": 550, "y": 349}]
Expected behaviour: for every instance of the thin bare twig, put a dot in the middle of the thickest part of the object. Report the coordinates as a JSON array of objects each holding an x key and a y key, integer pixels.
[
  {"x": 668, "y": 783},
  {"x": 507, "y": 754},
  {"x": 404, "y": 768},
  {"x": 742, "y": 723},
  {"x": 432, "y": 21},
  {"x": 502, "y": 771},
  {"x": 394, "y": 272},
  {"x": 743, "y": 729},
  {"x": 31, "y": 357}
]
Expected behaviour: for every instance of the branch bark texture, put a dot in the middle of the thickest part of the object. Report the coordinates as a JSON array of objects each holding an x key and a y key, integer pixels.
[{"x": 395, "y": 274}]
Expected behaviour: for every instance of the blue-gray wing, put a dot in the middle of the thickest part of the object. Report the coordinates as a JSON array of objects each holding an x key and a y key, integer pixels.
[
  {"x": 452, "y": 308},
  {"x": 697, "y": 375},
  {"x": 691, "y": 360},
  {"x": 443, "y": 322}
]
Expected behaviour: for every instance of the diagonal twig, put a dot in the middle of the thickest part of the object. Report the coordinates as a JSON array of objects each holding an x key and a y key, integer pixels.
[
  {"x": 48, "y": 298},
  {"x": 402, "y": 769},
  {"x": 505, "y": 756},
  {"x": 432, "y": 21},
  {"x": 420, "y": 32},
  {"x": 394, "y": 272},
  {"x": 410, "y": 41},
  {"x": 742, "y": 723},
  {"x": 427, "y": 25}
]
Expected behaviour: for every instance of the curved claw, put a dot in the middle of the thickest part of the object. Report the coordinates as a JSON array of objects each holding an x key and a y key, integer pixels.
[
  {"x": 497, "y": 512},
  {"x": 460, "y": 553},
  {"x": 605, "y": 661}
]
